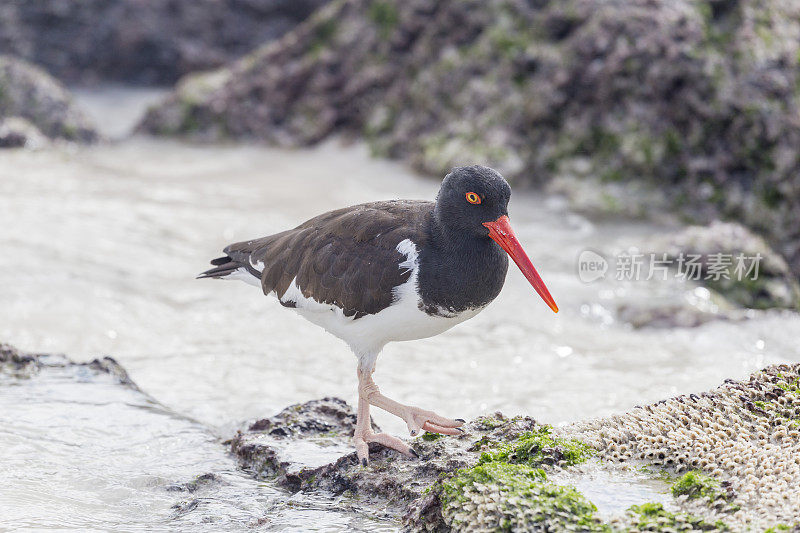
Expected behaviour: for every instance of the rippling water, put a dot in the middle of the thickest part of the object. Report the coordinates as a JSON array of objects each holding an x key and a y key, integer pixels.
[{"x": 100, "y": 249}]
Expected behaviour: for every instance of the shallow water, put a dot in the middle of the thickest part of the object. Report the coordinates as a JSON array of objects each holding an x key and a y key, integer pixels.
[
  {"x": 101, "y": 245},
  {"x": 81, "y": 451}
]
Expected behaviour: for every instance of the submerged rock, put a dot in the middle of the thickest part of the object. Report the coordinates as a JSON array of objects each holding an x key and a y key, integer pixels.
[
  {"x": 32, "y": 103},
  {"x": 697, "y": 100},
  {"x": 142, "y": 42},
  {"x": 675, "y": 315},
  {"x": 736, "y": 263},
  {"x": 17, "y": 132},
  {"x": 22, "y": 364}
]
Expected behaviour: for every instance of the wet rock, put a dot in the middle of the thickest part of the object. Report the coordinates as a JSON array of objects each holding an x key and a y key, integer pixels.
[
  {"x": 314, "y": 453},
  {"x": 16, "y": 132},
  {"x": 33, "y": 104},
  {"x": 13, "y": 360},
  {"x": 695, "y": 103},
  {"x": 142, "y": 42},
  {"x": 331, "y": 416},
  {"x": 23, "y": 364},
  {"x": 738, "y": 447},
  {"x": 199, "y": 483},
  {"x": 734, "y": 262},
  {"x": 685, "y": 308}
]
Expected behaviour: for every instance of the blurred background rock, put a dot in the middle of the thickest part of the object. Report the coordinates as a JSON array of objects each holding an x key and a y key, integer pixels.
[
  {"x": 141, "y": 41},
  {"x": 696, "y": 100}
]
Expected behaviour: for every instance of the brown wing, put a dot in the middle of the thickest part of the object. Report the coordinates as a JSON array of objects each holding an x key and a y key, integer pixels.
[{"x": 346, "y": 257}]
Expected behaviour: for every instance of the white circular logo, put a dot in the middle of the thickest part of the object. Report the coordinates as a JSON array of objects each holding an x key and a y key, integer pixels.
[{"x": 591, "y": 266}]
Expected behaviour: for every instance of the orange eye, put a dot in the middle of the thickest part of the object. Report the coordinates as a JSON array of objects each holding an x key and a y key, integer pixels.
[{"x": 473, "y": 198}]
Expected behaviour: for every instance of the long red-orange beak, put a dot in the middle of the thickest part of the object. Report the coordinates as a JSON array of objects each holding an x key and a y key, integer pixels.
[{"x": 500, "y": 230}]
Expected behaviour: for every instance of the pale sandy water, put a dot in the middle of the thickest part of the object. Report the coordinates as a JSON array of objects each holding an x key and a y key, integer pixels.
[{"x": 100, "y": 247}]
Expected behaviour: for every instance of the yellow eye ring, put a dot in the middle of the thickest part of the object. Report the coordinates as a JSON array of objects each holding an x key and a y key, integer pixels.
[{"x": 473, "y": 198}]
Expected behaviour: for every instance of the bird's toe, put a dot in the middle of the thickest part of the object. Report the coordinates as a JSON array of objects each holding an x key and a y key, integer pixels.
[
  {"x": 435, "y": 428},
  {"x": 392, "y": 442},
  {"x": 362, "y": 449}
]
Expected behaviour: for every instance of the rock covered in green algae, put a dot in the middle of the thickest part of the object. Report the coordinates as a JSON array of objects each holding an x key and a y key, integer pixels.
[
  {"x": 31, "y": 94},
  {"x": 492, "y": 477},
  {"x": 653, "y": 517},
  {"x": 697, "y": 98},
  {"x": 502, "y": 496},
  {"x": 737, "y": 448},
  {"x": 695, "y": 484},
  {"x": 495, "y": 473}
]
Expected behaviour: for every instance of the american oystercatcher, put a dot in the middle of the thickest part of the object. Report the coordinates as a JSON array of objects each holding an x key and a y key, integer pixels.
[{"x": 391, "y": 271}]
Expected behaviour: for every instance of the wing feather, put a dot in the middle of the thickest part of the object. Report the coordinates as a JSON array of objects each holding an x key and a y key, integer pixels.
[{"x": 346, "y": 257}]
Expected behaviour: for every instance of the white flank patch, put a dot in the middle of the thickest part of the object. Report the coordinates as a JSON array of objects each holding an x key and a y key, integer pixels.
[
  {"x": 258, "y": 266},
  {"x": 242, "y": 274},
  {"x": 401, "y": 321}
]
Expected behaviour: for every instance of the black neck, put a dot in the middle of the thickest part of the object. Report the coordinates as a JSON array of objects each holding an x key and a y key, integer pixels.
[{"x": 459, "y": 270}]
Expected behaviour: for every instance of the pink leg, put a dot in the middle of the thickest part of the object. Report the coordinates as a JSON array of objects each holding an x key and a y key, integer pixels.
[
  {"x": 416, "y": 419},
  {"x": 363, "y": 435}
]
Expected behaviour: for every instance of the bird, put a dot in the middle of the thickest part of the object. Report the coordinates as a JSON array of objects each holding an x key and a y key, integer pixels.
[{"x": 389, "y": 271}]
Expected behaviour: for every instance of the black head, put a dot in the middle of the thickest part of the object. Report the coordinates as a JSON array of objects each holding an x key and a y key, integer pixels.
[
  {"x": 471, "y": 196},
  {"x": 474, "y": 201}
]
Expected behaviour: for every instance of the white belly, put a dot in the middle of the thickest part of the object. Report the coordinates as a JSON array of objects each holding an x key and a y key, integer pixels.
[{"x": 401, "y": 321}]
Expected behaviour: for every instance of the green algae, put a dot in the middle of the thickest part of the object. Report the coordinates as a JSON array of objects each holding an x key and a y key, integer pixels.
[
  {"x": 653, "y": 517},
  {"x": 523, "y": 498},
  {"x": 774, "y": 409},
  {"x": 385, "y": 16},
  {"x": 780, "y": 527},
  {"x": 430, "y": 437},
  {"x": 489, "y": 422},
  {"x": 512, "y": 477},
  {"x": 538, "y": 447},
  {"x": 792, "y": 386},
  {"x": 695, "y": 484}
]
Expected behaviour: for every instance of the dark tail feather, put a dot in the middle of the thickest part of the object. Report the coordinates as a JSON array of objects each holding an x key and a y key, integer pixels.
[
  {"x": 223, "y": 266},
  {"x": 221, "y": 260}
]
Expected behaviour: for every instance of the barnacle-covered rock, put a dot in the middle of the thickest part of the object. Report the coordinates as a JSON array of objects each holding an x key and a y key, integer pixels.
[{"x": 744, "y": 434}]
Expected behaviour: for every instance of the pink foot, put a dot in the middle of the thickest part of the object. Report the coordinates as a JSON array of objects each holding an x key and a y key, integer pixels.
[
  {"x": 362, "y": 439},
  {"x": 418, "y": 419}
]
